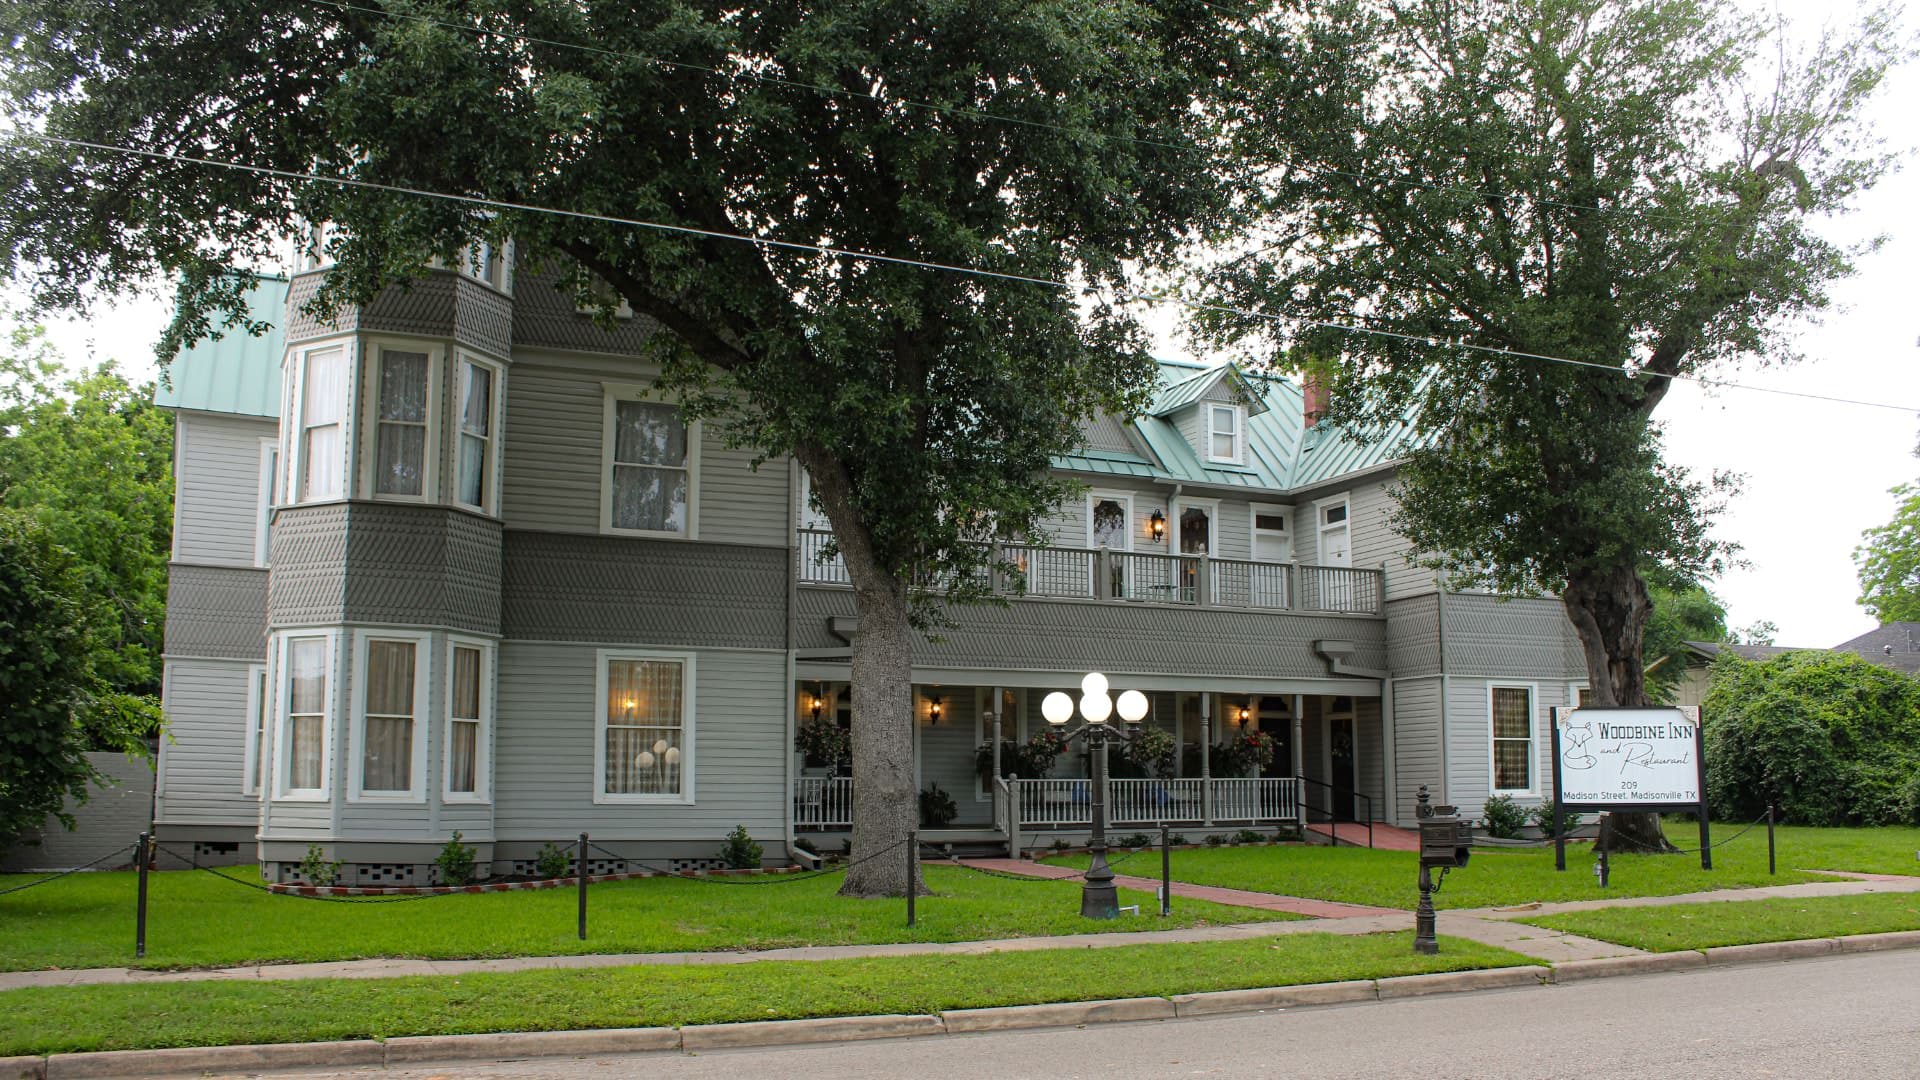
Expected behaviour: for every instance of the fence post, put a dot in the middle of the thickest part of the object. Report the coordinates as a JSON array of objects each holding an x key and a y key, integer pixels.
[
  {"x": 140, "y": 908},
  {"x": 1166, "y": 873},
  {"x": 913, "y": 864},
  {"x": 1770, "y": 865},
  {"x": 580, "y": 868}
]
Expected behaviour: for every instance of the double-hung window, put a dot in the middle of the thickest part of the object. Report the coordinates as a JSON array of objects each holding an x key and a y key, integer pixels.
[
  {"x": 323, "y": 391},
  {"x": 269, "y": 497},
  {"x": 468, "y": 708},
  {"x": 402, "y": 436},
  {"x": 390, "y": 742},
  {"x": 258, "y": 700},
  {"x": 652, "y": 468},
  {"x": 473, "y": 480},
  {"x": 302, "y": 743},
  {"x": 1513, "y": 756},
  {"x": 645, "y": 748},
  {"x": 1224, "y": 434}
]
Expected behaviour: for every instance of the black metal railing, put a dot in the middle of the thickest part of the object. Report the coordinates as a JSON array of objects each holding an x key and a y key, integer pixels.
[{"x": 1334, "y": 793}]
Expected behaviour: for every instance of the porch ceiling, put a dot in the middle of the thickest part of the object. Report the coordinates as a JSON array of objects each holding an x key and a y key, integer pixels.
[{"x": 1122, "y": 680}]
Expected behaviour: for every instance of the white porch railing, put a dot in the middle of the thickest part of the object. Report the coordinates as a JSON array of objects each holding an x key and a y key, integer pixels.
[
  {"x": 823, "y": 802},
  {"x": 1253, "y": 800},
  {"x": 1054, "y": 802},
  {"x": 1145, "y": 802},
  {"x": 813, "y": 568}
]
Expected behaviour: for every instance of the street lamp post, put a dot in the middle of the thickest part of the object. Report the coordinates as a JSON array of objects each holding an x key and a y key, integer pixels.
[{"x": 1098, "y": 898}]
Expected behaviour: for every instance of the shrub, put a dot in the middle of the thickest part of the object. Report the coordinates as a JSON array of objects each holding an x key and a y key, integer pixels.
[
  {"x": 937, "y": 809},
  {"x": 1249, "y": 836},
  {"x": 455, "y": 862},
  {"x": 1059, "y": 843},
  {"x": 1152, "y": 750},
  {"x": 740, "y": 852},
  {"x": 1030, "y": 760},
  {"x": 315, "y": 869},
  {"x": 1134, "y": 840},
  {"x": 1827, "y": 737},
  {"x": 552, "y": 862},
  {"x": 1502, "y": 818},
  {"x": 823, "y": 742},
  {"x": 1542, "y": 818},
  {"x": 1215, "y": 839},
  {"x": 1176, "y": 839}
]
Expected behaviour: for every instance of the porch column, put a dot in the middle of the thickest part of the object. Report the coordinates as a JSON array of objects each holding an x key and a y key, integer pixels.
[
  {"x": 993, "y": 714},
  {"x": 1206, "y": 759},
  {"x": 1299, "y": 757}
]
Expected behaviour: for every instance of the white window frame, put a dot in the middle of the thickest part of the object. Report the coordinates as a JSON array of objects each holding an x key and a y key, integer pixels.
[
  {"x": 1254, "y": 531},
  {"x": 293, "y": 427},
  {"x": 496, "y": 411},
  {"x": 483, "y": 739},
  {"x": 613, "y": 394},
  {"x": 269, "y": 499},
  {"x": 1176, "y": 533},
  {"x": 1533, "y": 741},
  {"x": 1239, "y": 432},
  {"x": 603, "y": 658},
  {"x": 374, "y": 355},
  {"x": 477, "y": 261},
  {"x": 1321, "y": 528},
  {"x": 356, "y": 741},
  {"x": 259, "y": 723},
  {"x": 283, "y": 720},
  {"x": 1125, "y": 499}
]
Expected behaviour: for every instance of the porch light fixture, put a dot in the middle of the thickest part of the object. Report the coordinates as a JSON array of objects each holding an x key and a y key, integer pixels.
[
  {"x": 933, "y": 709},
  {"x": 1157, "y": 525},
  {"x": 1245, "y": 714},
  {"x": 814, "y": 705},
  {"x": 1098, "y": 898}
]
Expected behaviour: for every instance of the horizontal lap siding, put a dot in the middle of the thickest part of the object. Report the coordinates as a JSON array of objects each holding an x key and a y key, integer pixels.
[
  {"x": 544, "y": 773},
  {"x": 1416, "y": 746},
  {"x": 1370, "y": 761},
  {"x": 551, "y": 478},
  {"x": 1377, "y": 545},
  {"x": 217, "y": 487},
  {"x": 204, "y": 753},
  {"x": 946, "y": 750}
]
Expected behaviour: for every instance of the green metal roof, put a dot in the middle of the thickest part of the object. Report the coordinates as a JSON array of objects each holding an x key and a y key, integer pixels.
[{"x": 236, "y": 373}]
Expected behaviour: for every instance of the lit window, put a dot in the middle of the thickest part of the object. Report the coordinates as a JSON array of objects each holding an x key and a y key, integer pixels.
[
  {"x": 1512, "y": 738},
  {"x": 646, "y": 737},
  {"x": 652, "y": 469}
]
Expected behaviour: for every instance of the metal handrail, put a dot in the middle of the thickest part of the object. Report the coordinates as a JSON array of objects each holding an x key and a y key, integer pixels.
[{"x": 1306, "y": 808}]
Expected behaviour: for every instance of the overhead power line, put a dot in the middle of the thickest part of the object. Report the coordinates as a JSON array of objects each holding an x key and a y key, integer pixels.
[{"x": 896, "y": 260}]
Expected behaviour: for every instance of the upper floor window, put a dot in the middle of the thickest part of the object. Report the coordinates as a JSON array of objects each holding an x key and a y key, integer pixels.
[
  {"x": 1272, "y": 537},
  {"x": 269, "y": 497},
  {"x": 401, "y": 422},
  {"x": 651, "y": 469},
  {"x": 473, "y": 482},
  {"x": 1336, "y": 533},
  {"x": 1110, "y": 521},
  {"x": 323, "y": 388},
  {"x": 256, "y": 751},
  {"x": 645, "y": 748},
  {"x": 1225, "y": 442}
]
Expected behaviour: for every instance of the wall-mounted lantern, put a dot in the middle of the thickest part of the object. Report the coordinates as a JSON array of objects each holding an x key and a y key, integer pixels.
[
  {"x": 934, "y": 709},
  {"x": 1157, "y": 525}
]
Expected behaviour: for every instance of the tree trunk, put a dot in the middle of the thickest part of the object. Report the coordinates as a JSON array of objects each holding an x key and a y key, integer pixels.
[
  {"x": 1609, "y": 610},
  {"x": 885, "y": 805}
]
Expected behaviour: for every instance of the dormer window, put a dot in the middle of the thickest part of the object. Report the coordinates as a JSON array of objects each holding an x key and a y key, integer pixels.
[{"x": 1226, "y": 442}]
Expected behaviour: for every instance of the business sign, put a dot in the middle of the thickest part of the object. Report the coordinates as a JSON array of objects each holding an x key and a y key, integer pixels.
[{"x": 1629, "y": 759}]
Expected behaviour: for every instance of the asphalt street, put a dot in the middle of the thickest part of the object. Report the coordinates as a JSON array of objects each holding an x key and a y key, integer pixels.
[{"x": 1855, "y": 1016}]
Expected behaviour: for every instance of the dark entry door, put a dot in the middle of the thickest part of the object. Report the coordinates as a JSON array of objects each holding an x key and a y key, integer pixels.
[
  {"x": 1276, "y": 719},
  {"x": 1340, "y": 731}
]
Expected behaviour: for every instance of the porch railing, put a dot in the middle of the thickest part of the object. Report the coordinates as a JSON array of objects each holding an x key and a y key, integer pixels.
[
  {"x": 1054, "y": 802},
  {"x": 1146, "y": 577},
  {"x": 1145, "y": 802},
  {"x": 823, "y": 802},
  {"x": 1255, "y": 800}
]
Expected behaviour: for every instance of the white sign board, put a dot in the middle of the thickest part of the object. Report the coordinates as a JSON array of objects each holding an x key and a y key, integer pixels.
[{"x": 1627, "y": 757}]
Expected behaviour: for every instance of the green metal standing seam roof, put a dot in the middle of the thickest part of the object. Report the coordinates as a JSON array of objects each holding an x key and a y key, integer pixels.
[{"x": 236, "y": 373}]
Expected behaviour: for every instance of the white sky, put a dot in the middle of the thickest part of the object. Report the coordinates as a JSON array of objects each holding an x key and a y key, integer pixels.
[{"x": 1817, "y": 473}]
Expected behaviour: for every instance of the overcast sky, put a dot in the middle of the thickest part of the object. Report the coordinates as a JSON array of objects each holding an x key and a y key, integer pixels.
[{"x": 1817, "y": 473}]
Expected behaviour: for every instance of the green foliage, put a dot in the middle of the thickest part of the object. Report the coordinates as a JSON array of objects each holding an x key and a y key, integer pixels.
[
  {"x": 823, "y": 741},
  {"x": 317, "y": 869},
  {"x": 1030, "y": 760},
  {"x": 1249, "y": 836},
  {"x": 1176, "y": 839},
  {"x": 740, "y": 852},
  {"x": 1502, "y": 818},
  {"x": 1829, "y": 738},
  {"x": 1680, "y": 614},
  {"x": 937, "y": 809},
  {"x": 552, "y": 862},
  {"x": 1134, "y": 840},
  {"x": 1889, "y": 562},
  {"x": 1215, "y": 839},
  {"x": 1542, "y": 818},
  {"x": 1628, "y": 184},
  {"x": 455, "y": 862},
  {"x": 1153, "y": 750}
]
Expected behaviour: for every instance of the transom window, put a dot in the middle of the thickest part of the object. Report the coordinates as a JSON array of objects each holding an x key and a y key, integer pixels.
[
  {"x": 322, "y": 392},
  {"x": 646, "y": 736},
  {"x": 1224, "y": 442},
  {"x": 652, "y": 463},
  {"x": 400, "y": 452},
  {"x": 474, "y": 477},
  {"x": 1513, "y": 758}
]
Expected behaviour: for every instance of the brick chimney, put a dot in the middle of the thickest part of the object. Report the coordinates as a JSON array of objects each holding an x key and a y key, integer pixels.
[{"x": 1313, "y": 390}]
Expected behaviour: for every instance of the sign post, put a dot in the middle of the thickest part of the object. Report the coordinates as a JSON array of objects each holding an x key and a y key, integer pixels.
[{"x": 1629, "y": 760}]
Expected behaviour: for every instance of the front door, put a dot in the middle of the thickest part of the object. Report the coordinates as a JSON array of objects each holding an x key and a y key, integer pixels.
[
  {"x": 1341, "y": 763},
  {"x": 1276, "y": 719}
]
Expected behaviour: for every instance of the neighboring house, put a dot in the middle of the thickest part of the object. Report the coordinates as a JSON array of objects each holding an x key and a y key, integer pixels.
[
  {"x": 1697, "y": 677},
  {"x": 442, "y": 564},
  {"x": 1894, "y": 645}
]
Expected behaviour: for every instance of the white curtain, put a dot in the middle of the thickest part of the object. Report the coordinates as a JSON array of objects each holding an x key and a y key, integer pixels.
[
  {"x": 463, "y": 747},
  {"x": 401, "y": 462},
  {"x": 476, "y": 391},
  {"x": 644, "y": 721},
  {"x": 649, "y": 467},
  {"x": 321, "y": 406},
  {"x": 388, "y": 745},
  {"x": 306, "y": 710}
]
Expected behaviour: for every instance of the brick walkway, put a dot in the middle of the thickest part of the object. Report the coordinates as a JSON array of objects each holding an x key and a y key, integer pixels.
[
  {"x": 1312, "y": 909},
  {"x": 1354, "y": 834}
]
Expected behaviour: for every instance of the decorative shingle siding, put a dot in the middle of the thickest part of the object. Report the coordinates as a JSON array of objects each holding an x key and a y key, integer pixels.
[
  {"x": 546, "y": 317},
  {"x": 1413, "y": 640},
  {"x": 1510, "y": 639},
  {"x": 385, "y": 563},
  {"x": 482, "y": 317},
  {"x": 301, "y": 325},
  {"x": 563, "y": 587},
  {"x": 216, "y": 611}
]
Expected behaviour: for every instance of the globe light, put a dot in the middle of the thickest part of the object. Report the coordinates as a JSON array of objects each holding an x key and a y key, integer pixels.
[
  {"x": 1133, "y": 706},
  {"x": 1094, "y": 685},
  {"x": 1096, "y": 707},
  {"x": 1057, "y": 708},
  {"x": 659, "y": 746},
  {"x": 645, "y": 760},
  {"x": 673, "y": 755}
]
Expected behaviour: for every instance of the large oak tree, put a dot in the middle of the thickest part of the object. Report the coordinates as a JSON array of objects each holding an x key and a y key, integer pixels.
[{"x": 1051, "y": 139}]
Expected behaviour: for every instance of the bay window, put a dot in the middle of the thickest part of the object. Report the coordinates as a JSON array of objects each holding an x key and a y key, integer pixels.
[
  {"x": 302, "y": 742},
  {"x": 389, "y": 742},
  {"x": 467, "y": 713},
  {"x": 645, "y": 748},
  {"x": 401, "y": 411},
  {"x": 473, "y": 478},
  {"x": 323, "y": 388},
  {"x": 1513, "y": 740}
]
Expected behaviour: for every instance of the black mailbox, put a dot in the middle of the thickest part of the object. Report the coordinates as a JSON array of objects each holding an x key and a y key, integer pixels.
[{"x": 1445, "y": 842}]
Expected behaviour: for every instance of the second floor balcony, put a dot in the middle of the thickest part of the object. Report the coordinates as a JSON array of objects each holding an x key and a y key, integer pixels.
[{"x": 1202, "y": 581}]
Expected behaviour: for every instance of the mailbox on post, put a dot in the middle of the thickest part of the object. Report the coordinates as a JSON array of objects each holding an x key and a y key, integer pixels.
[{"x": 1445, "y": 844}]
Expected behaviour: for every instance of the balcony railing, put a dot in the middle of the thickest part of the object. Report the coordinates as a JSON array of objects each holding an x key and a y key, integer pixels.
[
  {"x": 827, "y": 802},
  {"x": 1146, "y": 577},
  {"x": 823, "y": 802}
]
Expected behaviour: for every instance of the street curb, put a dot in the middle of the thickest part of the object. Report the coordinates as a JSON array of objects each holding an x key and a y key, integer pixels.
[
  {"x": 1607, "y": 966},
  {"x": 422, "y": 1049}
]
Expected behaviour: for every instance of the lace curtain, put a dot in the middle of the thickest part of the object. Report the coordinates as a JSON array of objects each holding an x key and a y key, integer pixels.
[
  {"x": 401, "y": 462},
  {"x": 306, "y": 710},
  {"x": 649, "y": 467},
  {"x": 476, "y": 394}
]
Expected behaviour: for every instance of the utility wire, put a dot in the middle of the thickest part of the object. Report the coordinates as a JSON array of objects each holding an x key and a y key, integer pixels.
[{"x": 1124, "y": 296}]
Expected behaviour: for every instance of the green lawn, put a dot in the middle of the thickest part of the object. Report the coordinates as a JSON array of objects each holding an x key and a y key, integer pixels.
[
  {"x": 211, "y": 1013},
  {"x": 197, "y": 920},
  {"x": 1501, "y": 878},
  {"x": 1742, "y": 922}
]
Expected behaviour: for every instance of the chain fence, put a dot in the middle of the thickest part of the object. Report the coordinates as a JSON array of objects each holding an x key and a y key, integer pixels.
[{"x": 75, "y": 870}]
